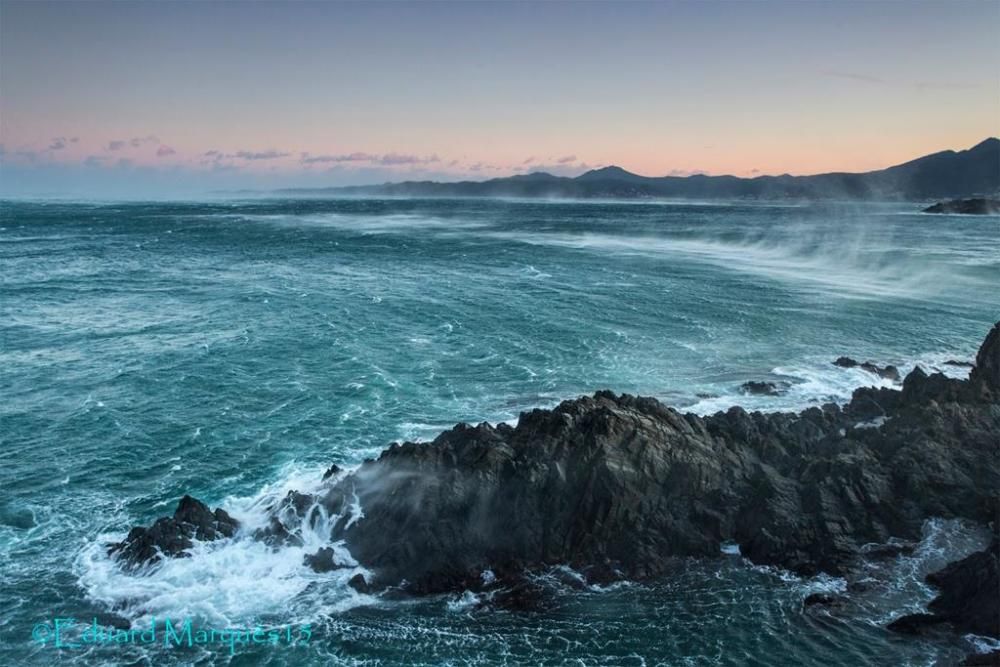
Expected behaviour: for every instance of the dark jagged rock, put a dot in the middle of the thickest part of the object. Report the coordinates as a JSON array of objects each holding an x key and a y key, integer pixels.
[
  {"x": 889, "y": 372},
  {"x": 759, "y": 388},
  {"x": 991, "y": 659},
  {"x": 891, "y": 550},
  {"x": 916, "y": 624},
  {"x": 974, "y": 206},
  {"x": 985, "y": 374},
  {"x": 359, "y": 583},
  {"x": 823, "y": 600},
  {"x": 277, "y": 534},
  {"x": 331, "y": 471},
  {"x": 961, "y": 364},
  {"x": 173, "y": 536},
  {"x": 615, "y": 486},
  {"x": 323, "y": 561},
  {"x": 969, "y": 595}
]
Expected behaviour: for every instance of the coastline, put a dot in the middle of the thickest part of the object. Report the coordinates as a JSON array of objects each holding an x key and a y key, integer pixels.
[{"x": 608, "y": 485}]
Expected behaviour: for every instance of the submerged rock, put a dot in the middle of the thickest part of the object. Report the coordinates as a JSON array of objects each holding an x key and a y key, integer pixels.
[
  {"x": 824, "y": 600},
  {"x": 761, "y": 388},
  {"x": 615, "y": 485}
]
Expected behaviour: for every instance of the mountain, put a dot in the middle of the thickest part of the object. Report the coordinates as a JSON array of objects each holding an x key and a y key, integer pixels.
[{"x": 947, "y": 174}]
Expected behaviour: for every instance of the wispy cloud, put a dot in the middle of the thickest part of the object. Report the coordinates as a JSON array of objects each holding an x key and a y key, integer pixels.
[
  {"x": 164, "y": 151},
  {"x": 134, "y": 142},
  {"x": 389, "y": 159},
  {"x": 348, "y": 157},
  {"x": 59, "y": 143},
  {"x": 258, "y": 155},
  {"x": 397, "y": 159},
  {"x": 567, "y": 159}
]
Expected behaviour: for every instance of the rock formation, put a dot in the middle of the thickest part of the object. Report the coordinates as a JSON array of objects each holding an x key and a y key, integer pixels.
[
  {"x": 615, "y": 485},
  {"x": 975, "y": 206},
  {"x": 968, "y": 599}
]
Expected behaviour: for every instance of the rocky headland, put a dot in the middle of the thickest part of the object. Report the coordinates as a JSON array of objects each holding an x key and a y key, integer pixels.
[
  {"x": 975, "y": 206},
  {"x": 615, "y": 485}
]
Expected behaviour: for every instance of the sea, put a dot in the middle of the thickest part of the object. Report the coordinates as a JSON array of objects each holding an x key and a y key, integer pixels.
[{"x": 233, "y": 349}]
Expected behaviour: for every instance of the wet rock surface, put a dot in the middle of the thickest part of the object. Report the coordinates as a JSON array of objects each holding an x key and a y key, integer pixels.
[
  {"x": 172, "y": 536},
  {"x": 888, "y": 372},
  {"x": 968, "y": 599},
  {"x": 763, "y": 388},
  {"x": 615, "y": 485}
]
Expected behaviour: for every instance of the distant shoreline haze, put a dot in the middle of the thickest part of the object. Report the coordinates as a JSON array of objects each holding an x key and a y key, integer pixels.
[{"x": 964, "y": 173}]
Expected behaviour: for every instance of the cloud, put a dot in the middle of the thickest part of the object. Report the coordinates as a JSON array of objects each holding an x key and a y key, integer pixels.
[
  {"x": 59, "y": 143},
  {"x": 349, "y": 157},
  {"x": 396, "y": 159},
  {"x": 164, "y": 151},
  {"x": 529, "y": 160},
  {"x": 567, "y": 159},
  {"x": 389, "y": 159},
  {"x": 484, "y": 166},
  {"x": 134, "y": 142},
  {"x": 261, "y": 155}
]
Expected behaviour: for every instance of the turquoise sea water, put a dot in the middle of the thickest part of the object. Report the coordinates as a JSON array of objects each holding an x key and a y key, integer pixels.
[{"x": 233, "y": 350}]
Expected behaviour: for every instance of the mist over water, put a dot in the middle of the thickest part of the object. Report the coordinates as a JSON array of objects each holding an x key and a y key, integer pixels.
[{"x": 235, "y": 350}]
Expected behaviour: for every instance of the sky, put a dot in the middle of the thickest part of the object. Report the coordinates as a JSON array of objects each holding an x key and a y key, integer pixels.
[{"x": 146, "y": 98}]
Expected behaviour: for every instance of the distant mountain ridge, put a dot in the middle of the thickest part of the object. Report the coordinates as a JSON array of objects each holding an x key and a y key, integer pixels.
[{"x": 966, "y": 173}]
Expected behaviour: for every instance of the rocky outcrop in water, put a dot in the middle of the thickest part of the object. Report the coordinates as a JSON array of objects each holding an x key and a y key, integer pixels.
[
  {"x": 975, "y": 206},
  {"x": 968, "y": 598},
  {"x": 172, "y": 536},
  {"x": 615, "y": 485},
  {"x": 762, "y": 388},
  {"x": 889, "y": 372}
]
